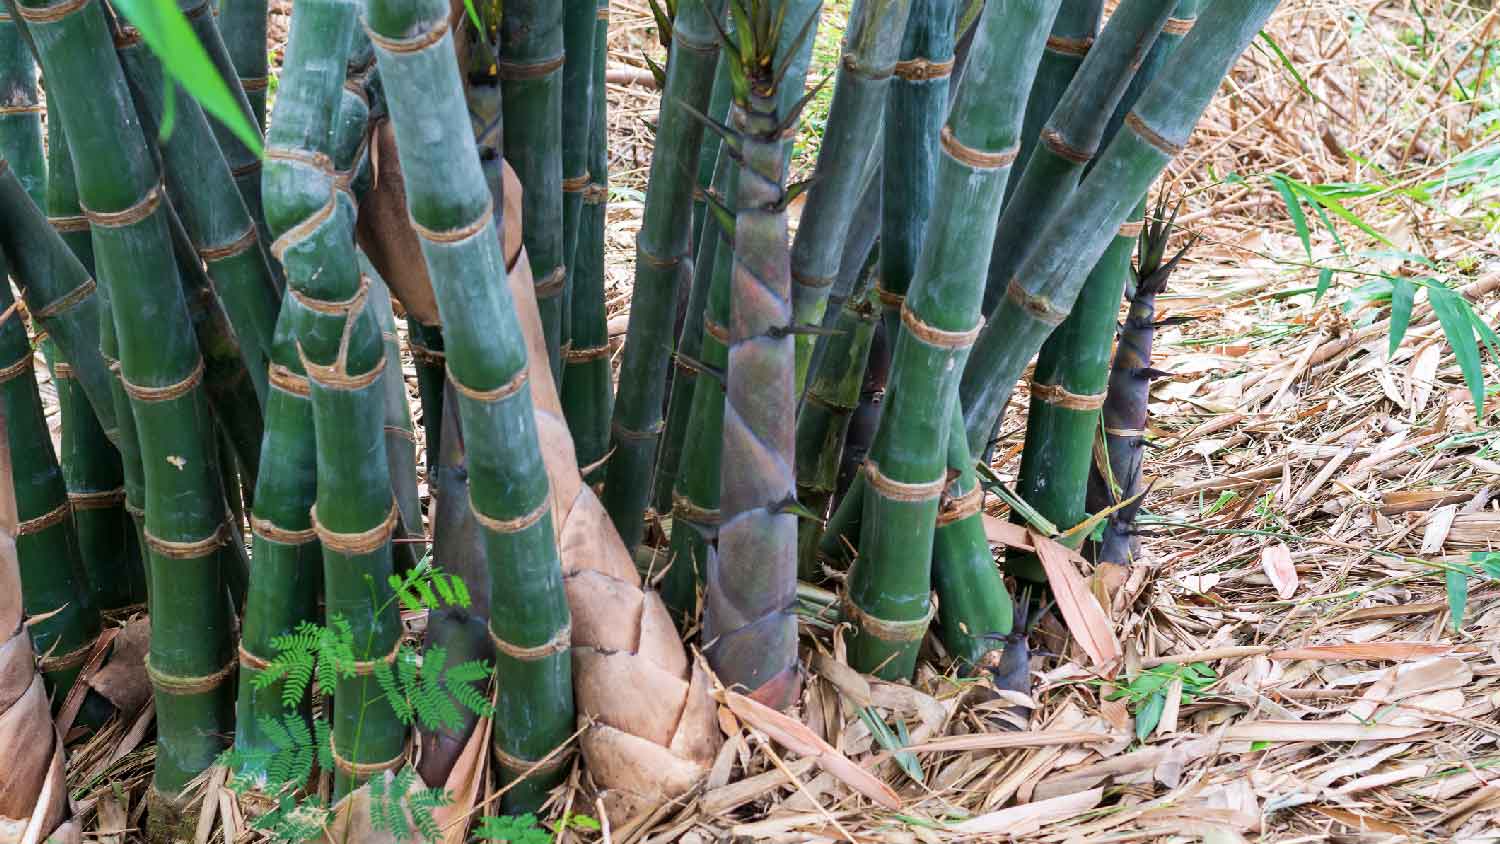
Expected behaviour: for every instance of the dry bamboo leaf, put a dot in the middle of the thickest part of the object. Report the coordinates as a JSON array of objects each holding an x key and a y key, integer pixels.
[
  {"x": 796, "y": 737},
  {"x": 1086, "y": 620},
  {"x": 1438, "y": 525},
  {"x": 1276, "y": 562},
  {"x": 1285, "y": 731},
  {"x": 464, "y": 785},
  {"x": 1007, "y": 741},
  {"x": 1364, "y": 650},
  {"x": 112, "y": 821},
  {"x": 122, "y": 680},
  {"x": 1029, "y": 817},
  {"x": 1359, "y": 822},
  {"x": 1409, "y": 680},
  {"x": 1399, "y": 501}
]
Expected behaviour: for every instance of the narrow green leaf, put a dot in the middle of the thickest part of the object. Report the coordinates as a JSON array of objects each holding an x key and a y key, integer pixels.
[
  {"x": 474, "y": 16},
  {"x": 1325, "y": 279},
  {"x": 1293, "y": 210},
  {"x": 1402, "y": 294},
  {"x": 1458, "y": 326},
  {"x": 1149, "y": 715},
  {"x": 1458, "y": 596}
]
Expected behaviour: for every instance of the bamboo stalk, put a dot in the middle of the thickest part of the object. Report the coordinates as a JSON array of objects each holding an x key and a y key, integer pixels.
[
  {"x": 579, "y": 24},
  {"x": 242, "y": 24}
]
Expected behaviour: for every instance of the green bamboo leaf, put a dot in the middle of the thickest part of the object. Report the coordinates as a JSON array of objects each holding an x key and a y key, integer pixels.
[
  {"x": 1488, "y": 562},
  {"x": 1328, "y": 201},
  {"x": 1458, "y": 596},
  {"x": 1294, "y": 210},
  {"x": 474, "y": 16},
  {"x": 1325, "y": 279},
  {"x": 169, "y": 35},
  {"x": 1287, "y": 63},
  {"x": 1402, "y": 294},
  {"x": 1149, "y": 715},
  {"x": 1458, "y": 326}
]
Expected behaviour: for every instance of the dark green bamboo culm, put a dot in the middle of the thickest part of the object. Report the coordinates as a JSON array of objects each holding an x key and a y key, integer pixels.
[
  {"x": 586, "y": 391},
  {"x": 20, "y": 109},
  {"x": 708, "y": 155},
  {"x": 425, "y": 342},
  {"x": 339, "y": 342},
  {"x": 1072, "y": 369},
  {"x": 872, "y": 47},
  {"x": 579, "y": 19},
  {"x": 531, "y": 84},
  {"x": 400, "y": 434},
  {"x": 1047, "y": 284},
  {"x": 906, "y": 472},
  {"x": 456, "y": 217},
  {"x": 161, "y": 368},
  {"x": 242, "y": 23},
  {"x": 55, "y": 586},
  {"x": 663, "y": 258}
]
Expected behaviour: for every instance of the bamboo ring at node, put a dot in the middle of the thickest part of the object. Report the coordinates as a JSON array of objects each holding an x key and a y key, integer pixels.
[
  {"x": 923, "y": 70},
  {"x": 888, "y": 300},
  {"x": 1151, "y": 136},
  {"x": 62, "y": 371},
  {"x": 642, "y": 254},
  {"x": 850, "y": 63},
  {"x": 101, "y": 500},
  {"x": 977, "y": 158},
  {"x": 554, "y": 759},
  {"x": 1179, "y": 26},
  {"x": 1069, "y": 46},
  {"x": 52, "y": 13},
  {"x": 362, "y": 770},
  {"x": 176, "y": 684},
  {"x": 576, "y": 184},
  {"x": 933, "y": 336},
  {"x": 624, "y": 433},
  {"x": 460, "y": 234},
  {"x": 24, "y": 365},
  {"x": 288, "y": 381},
  {"x": 517, "y": 524},
  {"x": 517, "y": 71},
  {"x": 65, "y": 662},
  {"x": 74, "y": 223},
  {"x": 189, "y": 550},
  {"x": 685, "y": 509},
  {"x": 595, "y": 194},
  {"x": 245, "y": 169},
  {"x": 251, "y": 661},
  {"x": 1125, "y": 432},
  {"x": 46, "y": 520},
  {"x": 424, "y": 354},
  {"x": 127, "y": 216},
  {"x": 251, "y": 84},
  {"x": 1055, "y": 142},
  {"x": 887, "y": 630},
  {"x": 813, "y": 281},
  {"x": 894, "y": 490},
  {"x": 415, "y": 43},
  {"x": 366, "y": 667},
  {"x": 586, "y": 353},
  {"x": 360, "y": 542},
  {"x": 240, "y": 244},
  {"x": 561, "y": 641},
  {"x": 1039, "y": 307},
  {"x": 1057, "y": 396},
  {"x": 956, "y": 509},
  {"x": 589, "y": 469},
  {"x": 504, "y": 391},
  {"x": 25, "y": 108},
  {"x": 552, "y": 284},
  {"x": 304, "y": 228},
  {"x": 268, "y": 531},
  {"x": 66, "y": 301},
  {"x": 715, "y": 330}
]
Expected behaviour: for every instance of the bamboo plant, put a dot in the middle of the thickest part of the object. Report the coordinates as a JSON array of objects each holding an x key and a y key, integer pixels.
[
  {"x": 455, "y": 218},
  {"x": 579, "y": 19},
  {"x": 663, "y": 258},
  {"x": 907, "y": 468},
  {"x": 243, "y": 26}
]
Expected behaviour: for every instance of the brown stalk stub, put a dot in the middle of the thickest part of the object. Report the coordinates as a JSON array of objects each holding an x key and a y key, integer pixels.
[
  {"x": 977, "y": 158},
  {"x": 66, "y": 301},
  {"x": 401, "y": 432},
  {"x": 955, "y": 509},
  {"x": 518, "y": 71},
  {"x": 922, "y": 70},
  {"x": 576, "y": 184},
  {"x": 461, "y": 233},
  {"x": 894, "y": 490},
  {"x": 177, "y": 684},
  {"x": 74, "y": 223},
  {"x": 101, "y": 500},
  {"x": 52, "y": 13},
  {"x": 1055, "y": 142},
  {"x": 288, "y": 381},
  {"x": 683, "y": 508},
  {"x": 128, "y": 216},
  {"x": 888, "y": 630},
  {"x": 938, "y": 337},
  {"x": 504, "y": 391},
  {"x": 9, "y": 373},
  {"x": 360, "y": 542},
  {"x": 560, "y": 642},
  {"x": 189, "y": 550},
  {"x": 597, "y": 464},
  {"x": 1069, "y": 46},
  {"x": 49, "y": 519},
  {"x": 1151, "y": 136},
  {"x": 246, "y": 239},
  {"x": 515, "y": 525},
  {"x": 363, "y": 770},
  {"x": 268, "y": 531},
  {"x": 552, "y": 284},
  {"x": 414, "y": 44},
  {"x": 1039, "y": 307},
  {"x": 167, "y": 393},
  {"x": 874, "y": 74},
  {"x": 1057, "y": 396},
  {"x": 64, "y": 662}
]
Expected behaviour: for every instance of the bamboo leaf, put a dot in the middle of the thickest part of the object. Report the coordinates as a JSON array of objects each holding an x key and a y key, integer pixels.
[
  {"x": 1458, "y": 596},
  {"x": 1293, "y": 210},
  {"x": 1325, "y": 279},
  {"x": 1458, "y": 326},
  {"x": 1402, "y": 294},
  {"x": 169, "y": 35}
]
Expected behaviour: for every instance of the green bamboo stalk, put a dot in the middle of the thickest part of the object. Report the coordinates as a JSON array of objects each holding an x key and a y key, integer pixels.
[
  {"x": 1072, "y": 135},
  {"x": 203, "y": 192},
  {"x": 906, "y": 471},
  {"x": 587, "y": 393},
  {"x": 339, "y": 342},
  {"x": 1073, "y": 33},
  {"x": 871, "y": 48},
  {"x": 719, "y": 97},
  {"x": 663, "y": 258},
  {"x": 531, "y": 85},
  {"x": 55, "y": 589},
  {"x": 579, "y": 25},
  {"x": 400, "y": 434},
  {"x": 161, "y": 369},
  {"x": 455, "y": 217},
  {"x": 242, "y": 24},
  {"x": 1072, "y": 368},
  {"x": 425, "y": 342},
  {"x": 1049, "y": 280},
  {"x": 20, "y": 111}
]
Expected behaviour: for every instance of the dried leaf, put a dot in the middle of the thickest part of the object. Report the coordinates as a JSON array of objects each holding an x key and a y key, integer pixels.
[
  {"x": 1276, "y": 562},
  {"x": 1086, "y": 620},
  {"x": 1029, "y": 817},
  {"x": 1282, "y": 730},
  {"x": 1365, "y": 650}
]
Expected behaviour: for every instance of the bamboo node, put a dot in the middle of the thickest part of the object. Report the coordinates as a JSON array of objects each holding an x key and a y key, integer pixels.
[
  {"x": 816, "y": 398},
  {"x": 317, "y": 160},
  {"x": 561, "y": 641},
  {"x": 515, "y": 525},
  {"x": 684, "y": 508},
  {"x": 552, "y": 283},
  {"x": 504, "y": 391},
  {"x": 951, "y": 510},
  {"x": 922, "y": 70},
  {"x": 888, "y": 630},
  {"x": 1131, "y": 229},
  {"x": 586, "y": 354},
  {"x": 303, "y": 230},
  {"x": 643, "y": 254},
  {"x": 414, "y": 44},
  {"x": 178, "y": 684},
  {"x": 1179, "y": 26},
  {"x": 70, "y": 660},
  {"x": 287, "y": 381},
  {"x": 359, "y": 542},
  {"x": 459, "y": 234},
  {"x": 978, "y": 158},
  {"x": 190, "y": 550},
  {"x": 25, "y": 365},
  {"x": 1055, "y": 142},
  {"x": 245, "y": 169},
  {"x": 364, "y": 770},
  {"x": 1057, "y": 396},
  {"x": 813, "y": 281},
  {"x": 25, "y": 108},
  {"x": 62, "y": 371},
  {"x": 338, "y": 307},
  {"x": 894, "y": 490},
  {"x": 596, "y": 194},
  {"x": 268, "y": 531},
  {"x": 1040, "y": 307},
  {"x": 196, "y": 10},
  {"x": 64, "y": 225},
  {"x": 576, "y": 184},
  {"x": 128, "y": 216},
  {"x": 556, "y": 758},
  {"x": 517, "y": 71},
  {"x": 101, "y": 500},
  {"x": 52, "y": 13},
  {"x": 1151, "y": 136},
  {"x": 888, "y": 300},
  {"x": 1125, "y": 432},
  {"x": 716, "y": 331},
  {"x": 936, "y": 336},
  {"x": 167, "y": 393},
  {"x": 66, "y": 301},
  {"x": 365, "y": 668},
  {"x": 251, "y": 661},
  {"x": 401, "y": 433},
  {"x": 51, "y": 518},
  {"x": 1069, "y": 46},
  {"x": 251, "y": 84},
  {"x": 702, "y": 48},
  {"x": 590, "y": 468},
  {"x": 233, "y": 248},
  {"x": 874, "y": 74},
  {"x": 624, "y": 433},
  {"x": 425, "y": 355}
]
